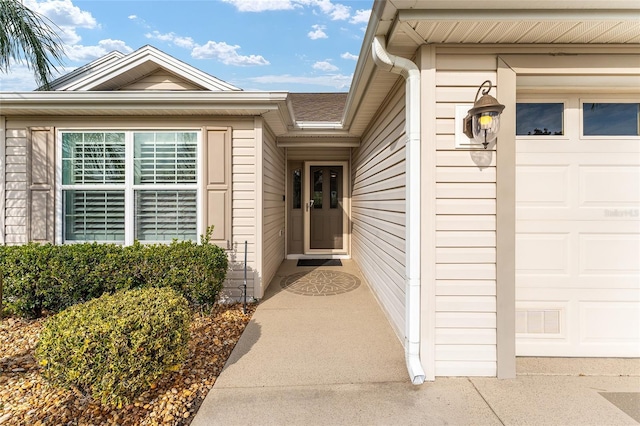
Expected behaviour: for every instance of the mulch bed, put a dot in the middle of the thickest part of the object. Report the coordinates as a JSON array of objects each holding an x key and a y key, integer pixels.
[{"x": 26, "y": 398}]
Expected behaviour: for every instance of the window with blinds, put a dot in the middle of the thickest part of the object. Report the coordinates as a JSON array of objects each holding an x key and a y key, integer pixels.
[
  {"x": 94, "y": 215},
  {"x": 153, "y": 201},
  {"x": 165, "y": 215},
  {"x": 164, "y": 157}
]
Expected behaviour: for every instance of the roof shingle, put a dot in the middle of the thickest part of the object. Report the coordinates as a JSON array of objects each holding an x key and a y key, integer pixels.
[{"x": 318, "y": 106}]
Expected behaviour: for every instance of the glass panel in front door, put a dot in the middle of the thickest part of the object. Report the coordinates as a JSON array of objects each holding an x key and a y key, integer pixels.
[{"x": 326, "y": 214}]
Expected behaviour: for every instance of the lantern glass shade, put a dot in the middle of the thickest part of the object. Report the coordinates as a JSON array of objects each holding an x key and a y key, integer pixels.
[{"x": 485, "y": 126}]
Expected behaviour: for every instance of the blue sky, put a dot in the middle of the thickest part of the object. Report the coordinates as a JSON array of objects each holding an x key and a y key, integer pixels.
[{"x": 293, "y": 45}]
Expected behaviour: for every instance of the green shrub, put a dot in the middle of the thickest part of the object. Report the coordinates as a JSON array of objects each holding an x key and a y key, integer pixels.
[
  {"x": 47, "y": 277},
  {"x": 115, "y": 346},
  {"x": 195, "y": 271},
  {"x": 29, "y": 284}
]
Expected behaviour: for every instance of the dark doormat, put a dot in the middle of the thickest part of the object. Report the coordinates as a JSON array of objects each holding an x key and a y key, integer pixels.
[{"x": 319, "y": 262}]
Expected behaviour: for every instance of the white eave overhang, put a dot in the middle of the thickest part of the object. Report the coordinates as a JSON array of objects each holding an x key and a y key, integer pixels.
[
  {"x": 554, "y": 25},
  {"x": 517, "y": 26},
  {"x": 138, "y": 103}
]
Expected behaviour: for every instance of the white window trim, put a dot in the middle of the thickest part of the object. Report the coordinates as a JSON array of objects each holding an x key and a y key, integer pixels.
[{"x": 128, "y": 186}]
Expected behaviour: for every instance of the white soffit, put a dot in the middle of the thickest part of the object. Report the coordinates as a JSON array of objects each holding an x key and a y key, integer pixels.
[{"x": 519, "y": 26}]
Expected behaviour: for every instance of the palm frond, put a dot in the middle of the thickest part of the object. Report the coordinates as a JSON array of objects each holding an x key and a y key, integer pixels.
[{"x": 28, "y": 37}]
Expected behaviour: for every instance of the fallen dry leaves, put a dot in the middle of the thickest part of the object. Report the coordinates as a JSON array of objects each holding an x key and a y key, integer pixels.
[{"x": 26, "y": 398}]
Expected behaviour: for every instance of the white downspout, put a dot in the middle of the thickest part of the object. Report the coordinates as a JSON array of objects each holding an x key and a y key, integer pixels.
[{"x": 411, "y": 74}]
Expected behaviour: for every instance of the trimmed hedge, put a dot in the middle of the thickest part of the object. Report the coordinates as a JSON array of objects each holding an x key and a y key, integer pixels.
[
  {"x": 115, "y": 346},
  {"x": 47, "y": 277}
]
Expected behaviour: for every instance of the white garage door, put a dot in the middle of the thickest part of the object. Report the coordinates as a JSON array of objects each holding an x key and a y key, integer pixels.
[{"x": 578, "y": 226}]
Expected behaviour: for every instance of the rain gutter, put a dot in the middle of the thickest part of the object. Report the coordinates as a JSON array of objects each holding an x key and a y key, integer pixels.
[{"x": 410, "y": 72}]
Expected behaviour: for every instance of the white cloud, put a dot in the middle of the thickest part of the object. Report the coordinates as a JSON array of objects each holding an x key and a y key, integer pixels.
[
  {"x": 325, "y": 66},
  {"x": 68, "y": 18},
  {"x": 227, "y": 54},
  {"x": 221, "y": 51},
  {"x": 139, "y": 21},
  {"x": 360, "y": 17},
  {"x": 335, "y": 81},
  {"x": 63, "y": 12},
  {"x": 347, "y": 55},
  {"x": 184, "y": 42},
  {"x": 261, "y": 5},
  {"x": 318, "y": 32},
  {"x": 22, "y": 79},
  {"x": 89, "y": 53},
  {"x": 336, "y": 11}
]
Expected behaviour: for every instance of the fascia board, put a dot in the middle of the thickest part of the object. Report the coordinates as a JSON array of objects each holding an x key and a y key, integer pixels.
[{"x": 63, "y": 82}]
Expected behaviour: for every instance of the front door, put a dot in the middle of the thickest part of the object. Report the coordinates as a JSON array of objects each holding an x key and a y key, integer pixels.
[{"x": 325, "y": 208}]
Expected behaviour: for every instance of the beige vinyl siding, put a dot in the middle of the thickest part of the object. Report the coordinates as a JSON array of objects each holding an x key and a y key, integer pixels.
[
  {"x": 273, "y": 207},
  {"x": 15, "y": 185},
  {"x": 465, "y": 335},
  {"x": 378, "y": 208},
  {"x": 244, "y": 193},
  {"x": 161, "y": 80}
]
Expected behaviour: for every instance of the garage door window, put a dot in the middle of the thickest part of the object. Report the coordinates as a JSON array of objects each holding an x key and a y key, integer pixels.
[
  {"x": 610, "y": 119},
  {"x": 539, "y": 119}
]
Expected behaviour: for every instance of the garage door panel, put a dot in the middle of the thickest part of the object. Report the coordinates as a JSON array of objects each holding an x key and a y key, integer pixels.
[
  {"x": 543, "y": 186},
  {"x": 591, "y": 322},
  {"x": 609, "y": 255},
  {"x": 542, "y": 254},
  {"x": 609, "y": 322},
  {"x": 609, "y": 186}
]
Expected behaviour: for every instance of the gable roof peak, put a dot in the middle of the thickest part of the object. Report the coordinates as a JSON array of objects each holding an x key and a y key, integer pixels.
[{"x": 116, "y": 70}]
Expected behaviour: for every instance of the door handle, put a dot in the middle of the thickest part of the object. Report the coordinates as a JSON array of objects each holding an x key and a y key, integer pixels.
[{"x": 309, "y": 205}]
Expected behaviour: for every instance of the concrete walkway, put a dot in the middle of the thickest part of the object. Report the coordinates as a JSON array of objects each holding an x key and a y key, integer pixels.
[{"x": 321, "y": 352}]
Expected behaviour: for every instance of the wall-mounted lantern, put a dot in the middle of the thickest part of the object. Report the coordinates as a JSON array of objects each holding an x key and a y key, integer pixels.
[{"x": 483, "y": 120}]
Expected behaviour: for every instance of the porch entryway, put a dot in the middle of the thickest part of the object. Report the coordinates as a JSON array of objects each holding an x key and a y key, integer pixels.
[{"x": 318, "y": 209}]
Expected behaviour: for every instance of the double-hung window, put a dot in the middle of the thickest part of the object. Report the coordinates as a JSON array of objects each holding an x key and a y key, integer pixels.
[{"x": 121, "y": 186}]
